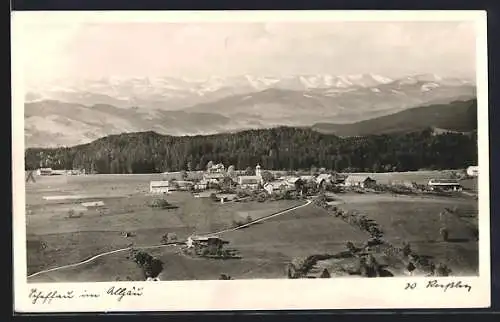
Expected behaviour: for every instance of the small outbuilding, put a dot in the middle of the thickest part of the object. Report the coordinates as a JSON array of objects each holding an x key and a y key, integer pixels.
[{"x": 361, "y": 181}]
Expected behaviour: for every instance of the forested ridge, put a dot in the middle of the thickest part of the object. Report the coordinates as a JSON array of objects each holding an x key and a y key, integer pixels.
[{"x": 278, "y": 148}]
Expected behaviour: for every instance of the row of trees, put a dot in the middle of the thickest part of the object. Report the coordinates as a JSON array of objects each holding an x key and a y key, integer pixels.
[{"x": 279, "y": 148}]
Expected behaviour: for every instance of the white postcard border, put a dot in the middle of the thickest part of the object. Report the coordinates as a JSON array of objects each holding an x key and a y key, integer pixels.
[{"x": 335, "y": 293}]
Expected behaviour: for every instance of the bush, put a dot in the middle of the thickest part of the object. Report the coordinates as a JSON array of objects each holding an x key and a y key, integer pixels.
[
  {"x": 351, "y": 248},
  {"x": 159, "y": 203},
  {"x": 153, "y": 268},
  {"x": 325, "y": 274},
  {"x": 444, "y": 233},
  {"x": 442, "y": 270},
  {"x": 406, "y": 249},
  {"x": 168, "y": 238}
]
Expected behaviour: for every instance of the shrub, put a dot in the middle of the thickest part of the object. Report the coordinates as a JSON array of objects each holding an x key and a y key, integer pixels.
[
  {"x": 406, "y": 249},
  {"x": 325, "y": 274},
  {"x": 442, "y": 270},
  {"x": 159, "y": 203},
  {"x": 153, "y": 268},
  {"x": 351, "y": 248},
  {"x": 224, "y": 277},
  {"x": 168, "y": 238},
  {"x": 444, "y": 233}
]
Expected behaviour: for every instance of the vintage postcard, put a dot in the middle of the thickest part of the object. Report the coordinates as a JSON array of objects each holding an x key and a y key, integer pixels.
[{"x": 264, "y": 160}]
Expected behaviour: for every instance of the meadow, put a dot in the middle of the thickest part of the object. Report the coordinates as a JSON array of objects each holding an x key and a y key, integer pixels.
[{"x": 265, "y": 247}]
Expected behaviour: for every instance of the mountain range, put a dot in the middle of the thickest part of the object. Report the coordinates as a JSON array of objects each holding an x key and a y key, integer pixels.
[{"x": 66, "y": 113}]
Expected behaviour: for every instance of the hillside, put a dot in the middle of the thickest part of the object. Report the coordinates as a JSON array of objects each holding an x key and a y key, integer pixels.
[
  {"x": 277, "y": 148},
  {"x": 228, "y": 105},
  {"x": 458, "y": 116}
]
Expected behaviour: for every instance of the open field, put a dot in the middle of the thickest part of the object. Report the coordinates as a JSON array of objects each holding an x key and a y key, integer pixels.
[
  {"x": 70, "y": 240},
  {"x": 265, "y": 247},
  {"x": 417, "y": 220}
]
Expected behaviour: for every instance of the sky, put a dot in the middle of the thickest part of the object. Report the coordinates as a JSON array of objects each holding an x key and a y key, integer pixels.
[{"x": 200, "y": 50}]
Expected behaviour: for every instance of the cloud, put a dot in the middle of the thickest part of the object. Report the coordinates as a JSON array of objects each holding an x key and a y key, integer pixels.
[{"x": 205, "y": 49}]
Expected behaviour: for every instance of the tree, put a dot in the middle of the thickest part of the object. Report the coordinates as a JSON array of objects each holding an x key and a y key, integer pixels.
[
  {"x": 189, "y": 166},
  {"x": 210, "y": 164},
  {"x": 249, "y": 171},
  {"x": 267, "y": 176},
  {"x": 325, "y": 274},
  {"x": 231, "y": 171},
  {"x": 351, "y": 248},
  {"x": 184, "y": 175},
  {"x": 444, "y": 233}
]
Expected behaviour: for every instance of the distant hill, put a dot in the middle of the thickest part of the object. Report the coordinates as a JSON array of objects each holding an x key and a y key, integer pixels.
[
  {"x": 276, "y": 148},
  {"x": 457, "y": 116}
]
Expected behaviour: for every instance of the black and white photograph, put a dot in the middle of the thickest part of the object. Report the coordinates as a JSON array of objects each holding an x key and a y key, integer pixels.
[{"x": 297, "y": 150}]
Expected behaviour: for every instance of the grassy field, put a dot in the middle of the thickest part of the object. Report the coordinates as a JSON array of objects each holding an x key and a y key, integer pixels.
[
  {"x": 417, "y": 220},
  {"x": 70, "y": 240},
  {"x": 265, "y": 247}
]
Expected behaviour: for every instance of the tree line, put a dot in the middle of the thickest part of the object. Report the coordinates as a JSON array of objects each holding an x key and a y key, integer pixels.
[{"x": 282, "y": 148}]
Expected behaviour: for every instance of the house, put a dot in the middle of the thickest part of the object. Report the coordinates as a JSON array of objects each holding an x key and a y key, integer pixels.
[
  {"x": 307, "y": 178},
  {"x": 217, "y": 168},
  {"x": 275, "y": 186},
  {"x": 215, "y": 177},
  {"x": 249, "y": 182},
  {"x": 181, "y": 185},
  {"x": 201, "y": 185},
  {"x": 359, "y": 181},
  {"x": 199, "y": 243},
  {"x": 44, "y": 172},
  {"x": 473, "y": 171},
  {"x": 323, "y": 179},
  {"x": 445, "y": 184},
  {"x": 158, "y": 187}
]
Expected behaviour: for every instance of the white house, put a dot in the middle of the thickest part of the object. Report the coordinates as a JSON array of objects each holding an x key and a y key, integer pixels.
[
  {"x": 213, "y": 177},
  {"x": 323, "y": 179},
  {"x": 44, "y": 172},
  {"x": 158, "y": 187},
  {"x": 359, "y": 181},
  {"x": 447, "y": 184},
  {"x": 217, "y": 168},
  {"x": 274, "y": 186},
  {"x": 249, "y": 182},
  {"x": 473, "y": 171}
]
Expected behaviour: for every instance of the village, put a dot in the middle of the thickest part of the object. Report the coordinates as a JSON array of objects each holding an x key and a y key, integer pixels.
[{"x": 219, "y": 202}]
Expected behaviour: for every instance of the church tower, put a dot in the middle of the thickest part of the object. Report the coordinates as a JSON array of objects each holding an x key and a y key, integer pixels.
[{"x": 257, "y": 171}]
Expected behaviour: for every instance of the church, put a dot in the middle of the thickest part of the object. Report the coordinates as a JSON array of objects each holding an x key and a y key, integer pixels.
[{"x": 251, "y": 182}]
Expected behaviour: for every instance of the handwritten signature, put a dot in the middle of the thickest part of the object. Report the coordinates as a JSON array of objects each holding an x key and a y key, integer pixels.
[{"x": 450, "y": 285}]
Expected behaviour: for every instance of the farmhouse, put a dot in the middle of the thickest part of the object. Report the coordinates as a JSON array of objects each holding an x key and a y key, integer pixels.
[
  {"x": 359, "y": 181},
  {"x": 44, "y": 172},
  {"x": 201, "y": 185},
  {"x": 217, "y": 168},
  {"x": 249, "y": 182},
  {"x": 324, "y": 179},
  {"x": 307, "y": 178},
  {"x": 180, "y": 185},
  {"x": 158, "y": 187},
  {"x": 213, "y": 177},
  {"x": 212, "y": 244},
  {"x": 473, "y": 171},
  {"x": 445, "y": 184},
  {"x": 274, "y": 186}
]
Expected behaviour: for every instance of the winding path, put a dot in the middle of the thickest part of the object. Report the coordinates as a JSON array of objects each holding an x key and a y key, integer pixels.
[{"x": 168, "y": 245}]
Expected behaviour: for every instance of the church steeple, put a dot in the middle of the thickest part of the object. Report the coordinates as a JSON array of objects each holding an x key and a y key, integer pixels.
[{"x": 257, "y": 170}]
